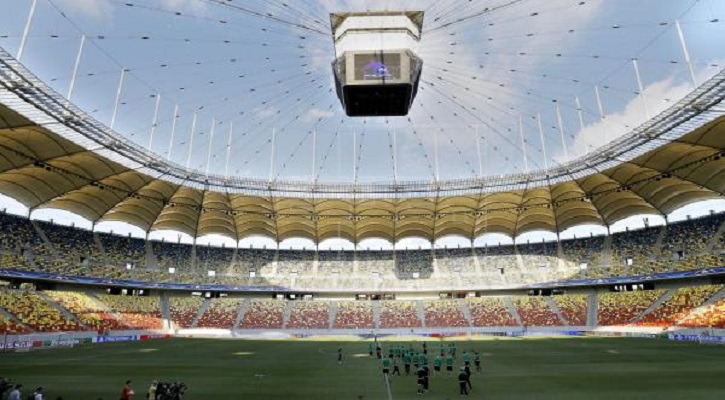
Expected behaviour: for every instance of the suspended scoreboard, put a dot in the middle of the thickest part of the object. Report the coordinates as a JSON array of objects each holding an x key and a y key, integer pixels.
[{"x": 377, "y": 70}]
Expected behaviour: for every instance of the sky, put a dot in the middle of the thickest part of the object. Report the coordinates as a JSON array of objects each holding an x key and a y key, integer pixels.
[{"x": 261, "y": 69}]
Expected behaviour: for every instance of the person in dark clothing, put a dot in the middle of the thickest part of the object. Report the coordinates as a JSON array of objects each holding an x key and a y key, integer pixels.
[
  {"x": 421, "y": 380},
  {"x": 467, "y": 370},
  {"x": 339, "y": 355},
  {"x": 426, "y": 377},
  {"x": 462, "y": 379}
]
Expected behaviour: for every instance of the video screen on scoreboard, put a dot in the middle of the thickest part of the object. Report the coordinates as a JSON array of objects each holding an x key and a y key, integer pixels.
[{"x": 377, "y": 66}]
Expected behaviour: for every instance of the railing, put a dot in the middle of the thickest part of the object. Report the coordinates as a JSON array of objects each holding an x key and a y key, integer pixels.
[{"x": 25, "y": 93}]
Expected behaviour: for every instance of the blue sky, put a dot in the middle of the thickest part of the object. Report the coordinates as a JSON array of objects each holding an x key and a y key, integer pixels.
[{"x": 480, "y": 76}]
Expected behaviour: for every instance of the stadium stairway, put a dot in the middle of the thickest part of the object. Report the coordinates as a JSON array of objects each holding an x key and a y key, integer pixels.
[
  {"x": 151, "y": 261},
  {"x": 511, "y": 307},
  {"x": 715, "y": 239},
  {"x": 606, "y": 262},
  {"x": 67, "y": 314},
  {"x": 287, "y": 312},
  {"x": 108, "y": 310},
  {"x": 194, "y": 260},
  {"x": 315, "y": 263},
  {"x": 421, "y": 312},
  {"x": 333, "y": 314},
  {"x": 12, "y": 318},
  {"x": 592, "y": 309},
  {"x": 376, "y": 314},
  {"x": 165, "y": 311},
  {"x": 43, "y": 236},
  {"x": 555, "y": 309},
  {"x": 657, "y": 247},
  {"x": 719, "y": 295},
  {"x": 476, "y": 261},
  {"x": 202, "y": 310},
  {"x": 99, "y": 245},
  {"x": 463, "y": 306},
  {"x": 243, "y": 308},
  {"x": 666, "y": 296}
]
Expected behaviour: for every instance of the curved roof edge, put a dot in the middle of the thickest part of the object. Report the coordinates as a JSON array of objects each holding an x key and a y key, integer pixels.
[{"x": 694, "y": 110}]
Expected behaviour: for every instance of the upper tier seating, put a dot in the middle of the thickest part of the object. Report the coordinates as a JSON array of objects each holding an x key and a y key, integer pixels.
[{"x": 684, "y": 246}]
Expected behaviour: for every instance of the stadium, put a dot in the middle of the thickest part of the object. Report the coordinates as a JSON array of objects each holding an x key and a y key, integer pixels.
[{"x": 362, "y": 199}]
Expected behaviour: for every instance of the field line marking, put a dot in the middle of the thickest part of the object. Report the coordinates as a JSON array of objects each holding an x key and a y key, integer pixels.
[{"x": 387, "y": 384}]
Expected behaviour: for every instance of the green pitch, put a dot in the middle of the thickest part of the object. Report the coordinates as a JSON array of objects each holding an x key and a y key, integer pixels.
[{"x": 573, "y": 368}]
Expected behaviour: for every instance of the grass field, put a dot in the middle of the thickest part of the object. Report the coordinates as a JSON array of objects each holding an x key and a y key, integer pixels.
[{"x": 573, "y": 368}]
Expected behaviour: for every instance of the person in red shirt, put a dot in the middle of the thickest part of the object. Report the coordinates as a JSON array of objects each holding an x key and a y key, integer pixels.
[{"x": 127, "y": 391}]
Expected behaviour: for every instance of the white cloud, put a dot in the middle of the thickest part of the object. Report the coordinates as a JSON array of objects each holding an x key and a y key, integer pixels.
[
  {"x": 314, "y": 114},
  {"x": 659, "y": 96},
  {"x": 94, "y": 9},
  {"x": 194, "y": 5},
  {"x": 618, "y": 124}
]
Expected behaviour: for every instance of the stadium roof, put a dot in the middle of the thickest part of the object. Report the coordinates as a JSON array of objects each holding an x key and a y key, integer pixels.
[{"x": 53, "y": 155}]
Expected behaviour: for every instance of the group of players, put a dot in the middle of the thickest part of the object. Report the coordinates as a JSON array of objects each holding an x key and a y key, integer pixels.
[{"x": 418, "y": 359}]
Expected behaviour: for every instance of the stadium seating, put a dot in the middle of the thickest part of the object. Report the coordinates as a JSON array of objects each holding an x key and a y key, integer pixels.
[
  {"x": 221, "y": 313},
  {"x": 136, "y": 312},
  {"x": 354, "y": 315},
  {"x": 183, "y": 310},
  {"x": 535, "y": 311},
  {"x": 122, "y": 250},
  {"x": 444, "y": 313},
  {"x": 11, "y": 327},
  {"x": 712, "y": 316},
  {"x": 71, "y": 243},
  {"x": 679, "y": 305},
  {"x": 309, "y": 315},
  {"x": 573, "y": 308},
  {"x": 490, "y": 311},
  {"x": 91, "y": 312},
  {"x": 680, "y": 246},
  {"x": 33, "y": 311},
  {"x": 620, "y": 308},
  {"x": 263, "y": 314},
  {"x": 399, "y": 314}
]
